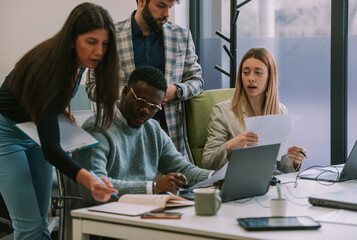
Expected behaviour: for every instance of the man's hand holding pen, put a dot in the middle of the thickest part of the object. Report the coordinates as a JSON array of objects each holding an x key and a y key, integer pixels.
[{"x": 172, "y": 182}]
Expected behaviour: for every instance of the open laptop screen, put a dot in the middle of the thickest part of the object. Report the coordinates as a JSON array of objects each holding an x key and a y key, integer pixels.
[{"x": 249, "y": 172}]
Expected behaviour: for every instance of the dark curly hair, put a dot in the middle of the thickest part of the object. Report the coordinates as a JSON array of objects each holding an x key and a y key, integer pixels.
[{"x": 151, "y": 75}]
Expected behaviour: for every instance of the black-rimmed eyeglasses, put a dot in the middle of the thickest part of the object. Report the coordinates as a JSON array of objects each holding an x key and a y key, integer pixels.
[{"x": 143, "y": 103}]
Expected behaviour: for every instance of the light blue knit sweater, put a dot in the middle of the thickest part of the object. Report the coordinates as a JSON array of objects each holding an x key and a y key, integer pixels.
[{"x": 130, "y": 157}]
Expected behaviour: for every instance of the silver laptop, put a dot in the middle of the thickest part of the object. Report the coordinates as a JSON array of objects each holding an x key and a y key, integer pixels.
[
  {"x": 345, "y": 199},
  {"x": 249, "y": 172},
  {"x": 337, "y": 173}
]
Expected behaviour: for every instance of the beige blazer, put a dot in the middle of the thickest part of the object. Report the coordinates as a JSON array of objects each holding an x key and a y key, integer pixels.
[{"x": 222, "y": 127}]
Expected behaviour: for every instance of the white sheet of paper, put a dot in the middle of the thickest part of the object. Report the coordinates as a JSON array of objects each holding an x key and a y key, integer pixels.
[
  {"x": 339, "y": 216},
  {"x": 72, "y": 136},
  {"x": 274, "y": 129},
  {"x": 123, "y": 208},
  {"x": 219, "y": 175}
]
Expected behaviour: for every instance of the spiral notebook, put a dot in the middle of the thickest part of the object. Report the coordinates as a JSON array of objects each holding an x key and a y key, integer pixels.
[{"x": 73, "y": 137}]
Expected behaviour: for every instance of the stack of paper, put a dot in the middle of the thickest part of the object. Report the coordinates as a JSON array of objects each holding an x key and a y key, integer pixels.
[{"x": 339, "y": 216}]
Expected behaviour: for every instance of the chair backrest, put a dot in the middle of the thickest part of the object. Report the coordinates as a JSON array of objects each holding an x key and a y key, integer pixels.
[
  {"x": 197, "y": 113},
  {"x": 81, "y": 100}
]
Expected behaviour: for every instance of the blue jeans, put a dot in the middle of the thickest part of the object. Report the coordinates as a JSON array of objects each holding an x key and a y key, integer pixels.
[{"x": 25, "y": 182}]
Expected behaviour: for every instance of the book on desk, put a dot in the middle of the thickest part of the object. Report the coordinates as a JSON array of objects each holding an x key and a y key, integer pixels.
[
  {"x": 138, "y": 204},
  {"x": 73, "y": 137}
]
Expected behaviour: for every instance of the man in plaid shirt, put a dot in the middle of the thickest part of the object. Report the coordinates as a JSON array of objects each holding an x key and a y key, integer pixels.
[{"x": 147, "y": 38}]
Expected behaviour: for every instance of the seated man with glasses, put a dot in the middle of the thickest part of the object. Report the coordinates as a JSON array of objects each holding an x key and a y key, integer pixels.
[{"x": 135, "y": 147}]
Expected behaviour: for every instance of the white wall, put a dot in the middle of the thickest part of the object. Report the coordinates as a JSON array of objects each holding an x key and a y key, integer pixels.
[
  {"x": 25, "y": 23},
  {"x": 180, "y": 13}
]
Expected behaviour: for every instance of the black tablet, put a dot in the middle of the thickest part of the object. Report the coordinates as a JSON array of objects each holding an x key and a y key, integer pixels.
[{"x": 278, "y": 223}]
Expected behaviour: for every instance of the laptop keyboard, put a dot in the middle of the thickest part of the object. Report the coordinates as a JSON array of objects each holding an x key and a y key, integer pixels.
[
  {"x": 320, "y": 174},
  {"x": 327, "y": 176}
]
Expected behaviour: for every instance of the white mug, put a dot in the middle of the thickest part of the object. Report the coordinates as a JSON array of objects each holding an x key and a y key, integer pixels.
[{"x": 278, "y": 207}]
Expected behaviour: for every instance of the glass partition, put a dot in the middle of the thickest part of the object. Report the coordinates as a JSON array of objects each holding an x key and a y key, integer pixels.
[
  {"x": 352, "y": 75},
  {"x": 298, "y": 34}
]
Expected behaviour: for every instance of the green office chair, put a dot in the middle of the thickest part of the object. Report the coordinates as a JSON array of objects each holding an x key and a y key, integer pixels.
[{"x": 196, "y": 117}]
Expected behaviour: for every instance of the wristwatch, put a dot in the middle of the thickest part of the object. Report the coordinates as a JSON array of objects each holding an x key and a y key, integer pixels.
[
  {"x": 153, "y": 187},
  {"x": 178, "y": 92}
]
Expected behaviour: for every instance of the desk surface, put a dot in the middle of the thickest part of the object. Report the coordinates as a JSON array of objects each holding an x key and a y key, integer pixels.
[{"x": 224, "y": 224}]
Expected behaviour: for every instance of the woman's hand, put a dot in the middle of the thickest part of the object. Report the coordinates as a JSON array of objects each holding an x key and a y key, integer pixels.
[
  {"x": 295, "y": 154},
  {"x": 100, "y": 192},
  {"x": 240, "y": 141},
  {"x": 70, "y": 115}
]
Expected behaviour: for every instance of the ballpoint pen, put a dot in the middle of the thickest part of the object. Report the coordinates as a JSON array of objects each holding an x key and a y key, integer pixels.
[
  {"x": 279, "y": 190},
  {"x": 303, "y": 153},
  {"x": 101, "y": 182}
]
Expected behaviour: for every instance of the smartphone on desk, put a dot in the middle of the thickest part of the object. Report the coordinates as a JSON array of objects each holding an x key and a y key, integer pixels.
[
  {"x": 162, "y": 215},
  {"x": 278, "y": 223}
]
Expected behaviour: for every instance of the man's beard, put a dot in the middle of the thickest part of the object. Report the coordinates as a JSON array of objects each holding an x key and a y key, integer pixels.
[{"x": 149, "y": 19}]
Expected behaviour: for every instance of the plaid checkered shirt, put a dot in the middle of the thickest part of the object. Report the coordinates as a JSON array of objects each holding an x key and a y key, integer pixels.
[{"x": 181, "y": 68}]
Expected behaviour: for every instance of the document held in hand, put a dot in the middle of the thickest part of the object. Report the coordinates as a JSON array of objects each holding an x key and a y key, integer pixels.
[
  {"x": 273, "y": 129},
  {"x": 137, "y": 204},
  {"x": 73, "y": 137}
]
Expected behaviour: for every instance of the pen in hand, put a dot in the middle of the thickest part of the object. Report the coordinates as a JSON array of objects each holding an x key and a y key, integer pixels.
[
  {"x": 182, "y": 177},
  {"x": 303, "y": 153},
  {"x": 101, "y": 182}
]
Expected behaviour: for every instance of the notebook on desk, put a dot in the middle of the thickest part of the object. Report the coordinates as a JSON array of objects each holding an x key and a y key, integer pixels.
[
  {"x": 345, "y": 199},
  {"x": 249, "y": 172},
  {"x": 337, "y": 173}
]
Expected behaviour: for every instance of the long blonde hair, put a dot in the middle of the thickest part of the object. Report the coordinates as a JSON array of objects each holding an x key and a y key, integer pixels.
[{"x": 240, "y": 102}]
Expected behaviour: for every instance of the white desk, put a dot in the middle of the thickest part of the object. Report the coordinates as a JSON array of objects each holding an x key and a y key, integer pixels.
[{"x": 224, "y": 224}]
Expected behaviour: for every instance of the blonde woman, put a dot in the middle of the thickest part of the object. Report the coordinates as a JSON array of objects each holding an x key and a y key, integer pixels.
[{"x": 256, "y": 94}]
